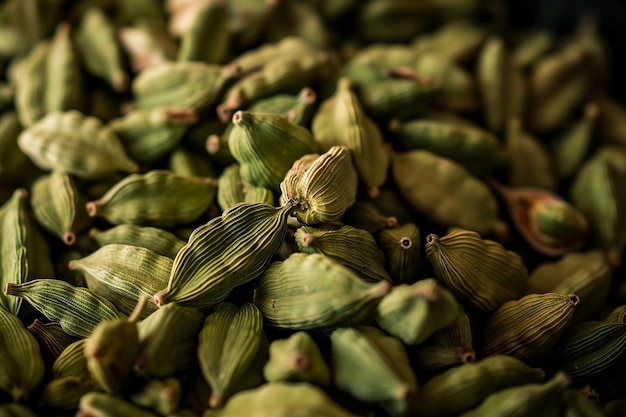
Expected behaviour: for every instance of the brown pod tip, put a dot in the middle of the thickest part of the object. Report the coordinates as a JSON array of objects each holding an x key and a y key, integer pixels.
[
  {"x": 299, "y": 361},
  {"x": 391, "y": 222},
  {"x": 406, "y": 242},
  {"x": 213, "y": 144},
  {"x": 574, "y": 299},
  {"x": 92, "y": 208},
  {"x": 308, "y": 95},
  {"x": 69, "y": 238},
  {"x": 466, "y": 355},
  {"x": 307, "y": 240},
  {"x": 215, "y": 401}
]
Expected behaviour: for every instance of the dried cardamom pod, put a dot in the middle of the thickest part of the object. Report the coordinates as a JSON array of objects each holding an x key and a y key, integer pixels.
[
  {"x": 298, "y": 109},
  {"x": 186, "y": 162},
  {"x": 51, "y": 338},
  {"x": 402, "y": 248},
  {"x": 457, "y": 40},
  {"x": 233, "y": 189},
  {"x": 501, "y": 277},
  {"x": 571, "y": 146},
  {"x": 286, "y": 290},
  {"x": 159, "y": 395},
  {"x": 373, "y": 367},
  {"x": 65, "y": 393},
  {"x": 76, "y": 309},
  {"x": 102, "y": 404},
  {"x": 63, "y": 85},
  {"x": 207, "y": 39},
  {"x": 351, "y": 247},
  {"x": 491, "y": 77},
  {"x": 364, "y": 214},
  {"x": 204, "y": 272},
  {"x": 529, "y": 328},
  {"x": 229, "y": 345},
  {"x": 413, "y": 312},
  {"x": 75, "y": 143},
  {"x": 446, "y": 192},
  {"x": 157, "y": 240},
  {"x": 30, "y": 84},
  {"x": 146, "y": 45},
  {"x": 71, "y": 362},
  {"x": 296, "y": 359},
  {"x": 157, "y": 198},
  {"x": 21, "y": 364},
  {"x": 466, "y": 386}
]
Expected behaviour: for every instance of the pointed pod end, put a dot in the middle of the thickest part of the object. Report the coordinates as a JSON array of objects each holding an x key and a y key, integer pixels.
[
  {"x": 307, "y": 95},
  {"x": 382, "y": 288},
  {"x": 405, "y": 242},
  {"x": 238, "y": 117},
  {"x": 158, "y": 299},
  {"x": 573, "y": 299},
  {"x": 215, "y": 401},
  {"x": 9, "y": 288},
  {"x": 373, "y": 192},
  {"x": 92, "y": 208},
  {"x": 591, "y": 110},
  {"x": 139, "y": 309},
  {"x": 69, "y": 238},
  {"x": 308, "y": 239},
  {"x": 432, "y": 239},
  {"x": 467, "y": 355},
  {"x": 119, "y": 81},
  {"x": 213, "y": 144}
]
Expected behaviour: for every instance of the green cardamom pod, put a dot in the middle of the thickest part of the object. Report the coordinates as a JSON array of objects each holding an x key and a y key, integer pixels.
[
  {"x": 364, "y": 214},
  {"x": 51, "y": 338},
  {"x": 233, "y": 189},
  {"x": 71, "y": 362},
  {"x": 100, "y": 404},
  {"x": 30, "y": 83},
  {"x": 402, "y": 248},
  {"x": 160, "y": 395},
  {"x": 65, "y": 393},
  {"x": 63, "y": 89},
  {"x": 532, "y": 47},
  {"x": 286, "y": 290},
  {"x": 208, "y": 37},
  {"x": 491, "y": 77},
  {"x": 501, "y": 277},
  {"x": 186, "y": 162},
  {"x": 145, "y": 44},
  {"x": 157, "y": 240},
  {"x": 457, "y": 40}
]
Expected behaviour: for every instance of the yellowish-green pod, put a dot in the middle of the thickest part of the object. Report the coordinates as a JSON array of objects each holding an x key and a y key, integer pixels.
[
  {"x": 208, "y": 37},
  {"x": 14, "y": 165},
  {"x": 169, "y": 340},
  {"x": 341, "y": 121},
  {"x": 314, "y": 292},
  {"x": 501, "y": 277},
  {"x": 21, "y": 365},
  {"x": 281, "y": 399},
  {"x": 229, "y": 343},
  {"x": 158, "y": 240},
  {"x": 51, "y": 338},
  {"x": 186, "y": 162},
  {"x": 491, "y": 75},
  {"x": 65, "y": 393},
  {"x": 446, "y": 192},
  {"x": 402, "y": 248},
  {"x": 146, "y": 45},
  {"x": 58, "y": 206},
  {"x": 71, "y": 362},
  {"x": 30, "y": 83},
  {"x": 532, "y": 47},
  {"x": 228, "y": 251},
  {"x": 232, "y": 189},
  {"x": 322, "y": 186},
  {"x": 529, "y": 328},
  {"x": 64, "y": 89},
  {"x": 296, "y": 359},
  {"x": 125, "y": 273},
  {"x": 298, "y": 19},
  {"x": 16, "y": 410},
  {"x": 413, "y": 312},
  {"x": 76, "y": 309},
  {"x": 466, "y": 386},
  {"x": 298, "y": 109},
  {"x": 159, "y": 395},
  {"x": 254, "y": 139},
  {"x": 364, "y": 214},
  {"x": 157, "y": 198},
  {"x": 100, "y": 49},
  {"x": 75, "y": 143},
  {"x": 99, "y": 404},
  {"x": 457, "y": 40},
  {"x": 373, "y": 367},
  {"x": 351, "y": 247}
]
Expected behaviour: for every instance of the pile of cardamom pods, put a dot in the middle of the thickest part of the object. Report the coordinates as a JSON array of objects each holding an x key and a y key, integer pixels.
[{"x": 337, "y": 208}]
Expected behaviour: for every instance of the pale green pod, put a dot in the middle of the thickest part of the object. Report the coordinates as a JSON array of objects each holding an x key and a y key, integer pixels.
[
  {"x": 100, "y": 49},
  {"x": 402, "y": 248},
  {"x": 157, "y": 198},
  {"x": 341, "y": 121},
  {"x": 169, "y": 340},
  {"x": 204, "y": 273},
  {"x": 58, "y": 206},
  {"x": 373, "y": 367},
  {"x": 296, "y": 359},
  {"x": 351, "y": 247},
  {"x": 75, "y": 143},
  {"x": 253, "y": 59},
  {"x": 297, "y": 109},
  {"x": 502, "y": 276},
  {"x": 254, "y": 139},
  {"x": 24, "y": 251},
  {"x": 572, "y": 145},
  {"x": 76, "y": 309},
  {"x": 51, "y": 338},
  {"x": 287, "y": 289},
  {"x": 281, "y": 399},
  {"x": 125, "y": 273},
  {"x": 466, "y": 386},
  {"x": 491, "y": 75},
  {"x": 65, "y": 393},
  {"x": 232, "y": 189},
  {"x": 14, "y": 165},
  {"x": 385, "y": 56},
  {"x": 208, "y": 37},
  {"x": 71, "y": 362},
  {"x": 322, "y": 186},
  {"x": 158, "y": 240},
  {"x": 64, "y": 89},
  {"x": 21, "y": 365},
  {"x": 30, "y": 84},
  {"x": 229, "y": 343},
  {"x": 413, "y": 312},
  {"x": 530, "y": 327},
  {"x": 457, "y": 40},
  {"x": 159, "y": 395},
  {"x": 99, "y": 404},
  {"x": 16, "y": 410},
  {"x": 446, "y": 192},
  {"x": 186, "y": 162}
]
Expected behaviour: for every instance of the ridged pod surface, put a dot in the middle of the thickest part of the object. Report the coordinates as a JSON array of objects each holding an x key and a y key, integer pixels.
[
  {"x": 158, "y": 240},
  {"x": 233, "y": 189},
  {"x": 402, "y": 248}
]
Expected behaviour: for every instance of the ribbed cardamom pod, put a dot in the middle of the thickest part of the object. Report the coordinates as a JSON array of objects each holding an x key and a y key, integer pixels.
[
  {"x": 30, "y": 84},
  {"x": 373, "y": 367},
  {"x": 186, "y": 162},
  {"x": 108, "y": 405},
  {"x": 75, "y": 143},
  {"x": 341, "y": 121},
  {"x": 157, "y": 198},
  {"x": 364, "y": 214},
  {"x": 402, "y": 248},
  {"x": 169, "y": 340},
  {"x": 65, "y": 393},
  {"x": 323, "y": 186},
  {"x": 281, "y": 399},
  {"x": 254, "y": 139},
  {"x": 233, "y": 189},
  {"x": 100, "y": 48},
  {"x": 491, "y": 77},
  {"x": 16, "y": 410},
  {"x": 541, "y": 400},
  {"x": 230, "y": 343},
  {"x": 476, "y": 149},
  {"x": 228, "y": 251},
  {"x": 58, "y": 206},
  {"x": 446, "y": 192},
  {"x": 297, "y": 109},
  {"x": 501, "y": 277},
  {"x": 457, "y": 40},
  {"x": 76, "y": 309},
  {"x": 123, "y": 274},
  {"x": 24, "y": 252},
  {"x": 51, "y": 338},
  {"x": 158, "y": 240},
  {"x": 466, "y": 386},
  {"x": 413, "y": 312},
  {"x": 21, "y": 364},
  {"x": 287, "y": 290},
  {"x": 159, "y": 395},
  {"x": 64, "y": 89},
  {"x": 351, "y": 247},
  {"x": 71, "y": 362},
  {"x": 586, "y": 274},
  {"x": 112, "y": 349},
  {"x": 14, "y": 165},
  {"x": 571, "y": 146},
  {"x": 296, "y": 359},
  {"x": 208, "y": 37},
  {"x": 530, "y": 327}
]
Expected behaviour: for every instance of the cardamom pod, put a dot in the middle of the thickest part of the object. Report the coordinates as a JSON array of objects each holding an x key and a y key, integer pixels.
[
  {"x": 30, "y": 84},
  {"x": 402, "y": 248},
  {"x": 51, "y": 338},
  {"x": 65, "y": 393},
  {"x": 571, "y": 146},
  {"x": 160, "y": 395},
  {"x": 491, "y": 77},
  {"x": 208, "y": 37},
  {"x": 157, "y": 240},
  {"x": 63, "y": 85},
  {"x": 101, "y": 404},
  {"x": 233, "y": 189}
]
